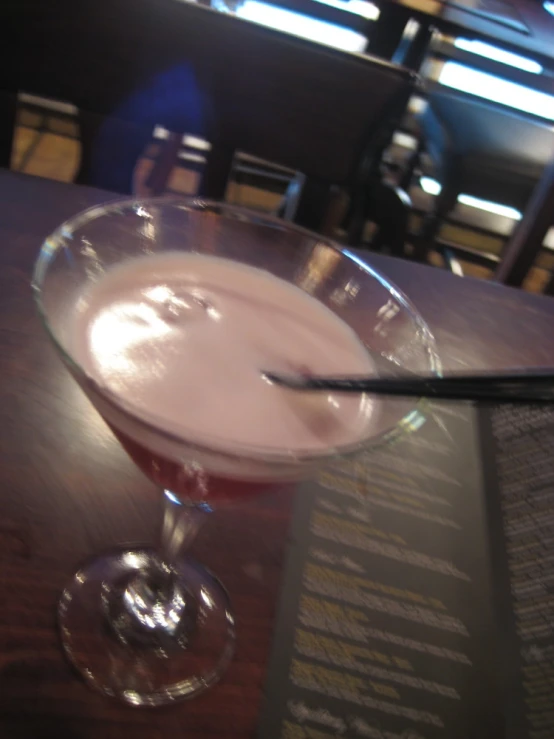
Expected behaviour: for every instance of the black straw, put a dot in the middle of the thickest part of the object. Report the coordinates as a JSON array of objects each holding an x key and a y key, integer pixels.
[{"x": 533, "y": 386}]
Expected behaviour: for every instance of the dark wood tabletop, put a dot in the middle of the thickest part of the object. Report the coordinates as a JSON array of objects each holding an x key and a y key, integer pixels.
[{"x": 68, "y": 491}]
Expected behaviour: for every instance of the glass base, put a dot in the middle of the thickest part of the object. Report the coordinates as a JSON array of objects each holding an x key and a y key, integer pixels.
[{"x": 147, "y": 654}]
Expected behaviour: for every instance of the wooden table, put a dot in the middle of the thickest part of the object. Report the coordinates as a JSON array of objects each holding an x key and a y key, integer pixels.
[{"x": 68, "y": 491}]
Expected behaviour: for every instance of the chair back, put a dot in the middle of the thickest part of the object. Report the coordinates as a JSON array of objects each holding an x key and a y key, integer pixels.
[{"x": 490, "y": 149}]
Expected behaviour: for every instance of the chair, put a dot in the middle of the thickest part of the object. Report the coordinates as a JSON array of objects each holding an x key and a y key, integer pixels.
[
  {"x": 134, "y": 63},
  {"x": 480, "y": 149},
  {"x": 476, "y": 146},
  {"x": 527, "y": 237}
]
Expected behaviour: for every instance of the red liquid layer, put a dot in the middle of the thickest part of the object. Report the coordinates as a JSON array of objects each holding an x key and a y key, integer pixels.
[{"x": 173, "y": 476}]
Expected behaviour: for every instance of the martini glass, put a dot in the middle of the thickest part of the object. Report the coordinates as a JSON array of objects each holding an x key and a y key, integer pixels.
[{"x": 151, "y": 626}]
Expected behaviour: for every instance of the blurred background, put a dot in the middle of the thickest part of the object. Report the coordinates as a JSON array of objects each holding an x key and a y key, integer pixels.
[{"x": 461, "y": 161}]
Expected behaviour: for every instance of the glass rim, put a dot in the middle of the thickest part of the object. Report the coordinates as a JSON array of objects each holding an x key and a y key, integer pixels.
[{"x": 212, "y": 444}]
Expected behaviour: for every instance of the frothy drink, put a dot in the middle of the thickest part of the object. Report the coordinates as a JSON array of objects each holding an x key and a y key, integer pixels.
[{"x": 181, "y": 338}]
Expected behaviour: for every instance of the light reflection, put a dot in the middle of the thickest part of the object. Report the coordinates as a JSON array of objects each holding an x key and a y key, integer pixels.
[
  {"x": 366, "y": 406},
  {"x": 173, "y": 498},
  {"x": 415, "y": 420},
  {"x": 93, "y": 265},
  {"x": 159, "y": 614},
  {"x": 352, "y": 288},
  {"x": 176, "y": 302},
  {"x": 149, "y": 230},
  {"x": 496, "y": 208},
  {"x": 432, "y": 187},
  {"x": 385, "y": 314},
  {"x": 388, "y": 311},
  {"x": 302, "y": 25},
  {"x": 358, "y": 7},
  {"x": 498, "y": 55},
  {"x": 320, "y": 267},
  {"x": 115, "y": 332},
  {"x": 159, "y": 294},
  {"x": 206, "y": 597},
  {"x": 131, "y": 560},
  {"x": 134, "y": 599},
  {"x": 133, "y": 697},
  {"x": 206, "y": 305},
  {"x": 490, "y": 87},
  {"x": 174, "y": 616}
]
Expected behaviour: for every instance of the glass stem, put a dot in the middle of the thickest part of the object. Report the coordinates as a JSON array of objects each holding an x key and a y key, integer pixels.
[
  {"x": 182, "y": 520},
  {"x": 183, "y": 514},
  {"x": 153, "y": 607}
]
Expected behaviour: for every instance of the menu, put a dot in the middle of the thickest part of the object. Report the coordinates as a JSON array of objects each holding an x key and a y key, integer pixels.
[{"x": 418, "y": 592}]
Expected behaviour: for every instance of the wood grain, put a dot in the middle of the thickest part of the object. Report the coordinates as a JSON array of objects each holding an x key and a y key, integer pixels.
[{"x": 67, "y": 490}]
